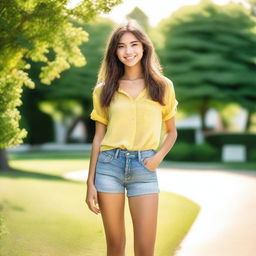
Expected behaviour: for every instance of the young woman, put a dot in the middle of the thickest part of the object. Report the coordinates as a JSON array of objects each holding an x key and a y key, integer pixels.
[{"x": 131, "y": 102}]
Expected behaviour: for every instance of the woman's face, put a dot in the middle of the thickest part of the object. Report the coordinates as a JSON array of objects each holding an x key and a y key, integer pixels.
[{"x": 129, "y": 49}]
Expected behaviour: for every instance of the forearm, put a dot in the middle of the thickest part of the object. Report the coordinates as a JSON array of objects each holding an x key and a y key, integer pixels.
[
  {"x": 93, "y": 160},
  {"x": 166, "y": 145}
]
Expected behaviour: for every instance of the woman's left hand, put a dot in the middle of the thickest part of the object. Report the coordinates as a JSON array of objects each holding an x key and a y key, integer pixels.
[{"x": 152, "y": 162}]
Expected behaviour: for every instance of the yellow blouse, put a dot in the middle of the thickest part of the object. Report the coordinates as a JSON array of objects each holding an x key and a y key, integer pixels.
[{"x": 133, "y": 124}]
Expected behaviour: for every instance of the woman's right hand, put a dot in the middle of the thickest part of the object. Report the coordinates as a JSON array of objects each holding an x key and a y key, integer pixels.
[{"x": 92, "y": 198}]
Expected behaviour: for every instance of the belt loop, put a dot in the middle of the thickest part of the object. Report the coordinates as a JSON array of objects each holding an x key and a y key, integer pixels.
[
  {"x": 139, "y": 155},
  {"x": 117, "y": 151}
]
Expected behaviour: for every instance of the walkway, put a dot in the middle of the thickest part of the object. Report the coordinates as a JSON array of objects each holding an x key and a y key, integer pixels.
[{"x": 226, "y": 224}]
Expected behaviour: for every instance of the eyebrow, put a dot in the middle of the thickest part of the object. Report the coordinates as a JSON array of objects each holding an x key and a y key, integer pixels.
[{"x": 131, "y": 42}]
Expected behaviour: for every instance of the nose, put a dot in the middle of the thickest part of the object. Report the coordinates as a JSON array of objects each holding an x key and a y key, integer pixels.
[{"x": 128, "y": 50}]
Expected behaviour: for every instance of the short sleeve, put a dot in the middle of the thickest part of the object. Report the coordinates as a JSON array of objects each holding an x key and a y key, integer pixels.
[
  {"x": 98, "y": 113},
  {"x": 170, "y": 109}
]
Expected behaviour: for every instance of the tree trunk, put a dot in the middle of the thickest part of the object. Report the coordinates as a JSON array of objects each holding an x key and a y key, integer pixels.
[
  {"x": 203, "y": 111},
  {"x": 249, "y": 120},
  {"x": 4, "y": 166},
  {"x": 90, "y": 126},
  {"x": 71, "y": 128}
]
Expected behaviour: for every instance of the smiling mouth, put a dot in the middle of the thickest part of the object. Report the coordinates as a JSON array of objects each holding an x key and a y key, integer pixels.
[{"x": 129, "y": 58}]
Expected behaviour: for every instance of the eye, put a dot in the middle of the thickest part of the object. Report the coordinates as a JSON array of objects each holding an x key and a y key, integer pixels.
[
  {"x": 120, "y": 46},
  {"x": 134, "y": 44}
]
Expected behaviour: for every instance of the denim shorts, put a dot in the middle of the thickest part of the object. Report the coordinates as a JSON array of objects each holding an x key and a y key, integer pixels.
[{"x": 118, "y": 169}]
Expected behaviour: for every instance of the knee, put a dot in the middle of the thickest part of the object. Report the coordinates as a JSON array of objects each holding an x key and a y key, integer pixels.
[
  {"x": 144, "y": 253},
  {"x": 144, "y": 249},
  {"x": 116, "y": 247}
]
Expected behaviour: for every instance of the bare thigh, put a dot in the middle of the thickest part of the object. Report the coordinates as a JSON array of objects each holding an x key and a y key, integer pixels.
[
  {"x": 112, "y": 211},
  {"x": 144, "y": 210}
]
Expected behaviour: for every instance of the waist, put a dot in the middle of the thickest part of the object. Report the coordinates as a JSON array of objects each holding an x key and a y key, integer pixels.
[{"x": 130, "y": 153}]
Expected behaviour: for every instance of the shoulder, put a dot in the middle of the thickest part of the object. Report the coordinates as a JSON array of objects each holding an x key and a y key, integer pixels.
[
  {"x": 169, "y": 88},
  {"x": 99, "y": 85},
  {"x": 98, "y": 88}
]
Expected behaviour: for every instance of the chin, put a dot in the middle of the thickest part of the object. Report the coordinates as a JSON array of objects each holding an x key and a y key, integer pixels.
[{"x": 131, "y": 64}]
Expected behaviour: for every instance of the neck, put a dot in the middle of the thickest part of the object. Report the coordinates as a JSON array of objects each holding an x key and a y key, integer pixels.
[{"x": 132, "y": 73}]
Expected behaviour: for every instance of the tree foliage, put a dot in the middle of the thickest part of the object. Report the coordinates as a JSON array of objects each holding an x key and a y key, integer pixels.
[
  {"x": 74, "y": 85},
  {"x": 44, "y": 31},
  {"x": 209, "y": 52},
  {"x": 138, "y": 15},
  {"x": 82, "y": 79}
]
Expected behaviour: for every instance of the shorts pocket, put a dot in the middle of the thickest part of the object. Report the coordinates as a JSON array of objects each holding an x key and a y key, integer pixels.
[
  {"x": 147, "y": 167},
  {"x": 105, "y": 157},
  {"x": 148, "y": 155}
]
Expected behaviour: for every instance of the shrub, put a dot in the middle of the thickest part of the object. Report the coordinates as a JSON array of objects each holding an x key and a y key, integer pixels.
[
  {"x": 220, "y": 139},
  {"x": 252, "y": 155},
  {"x": 187, "y": 135},
  {"x": 191, "y": 152},
  {"x": 180, "y": 152},
  {"x": 205, "y": 153}
]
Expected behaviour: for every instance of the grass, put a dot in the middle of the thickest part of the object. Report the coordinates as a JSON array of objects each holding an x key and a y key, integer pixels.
[{"x": 45, "y": 214}]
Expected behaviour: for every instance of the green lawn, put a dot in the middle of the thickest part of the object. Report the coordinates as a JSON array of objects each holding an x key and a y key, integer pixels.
[{"x": 46, "y": 215}]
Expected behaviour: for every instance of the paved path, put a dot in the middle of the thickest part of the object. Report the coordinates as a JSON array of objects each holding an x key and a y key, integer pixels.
[{"x": 226, "y": 224}]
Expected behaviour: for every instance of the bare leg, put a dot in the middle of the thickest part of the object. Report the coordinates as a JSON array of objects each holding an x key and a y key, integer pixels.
[
  {"x": 143, "y": 210},
  {"x": 112, "y": 211}
]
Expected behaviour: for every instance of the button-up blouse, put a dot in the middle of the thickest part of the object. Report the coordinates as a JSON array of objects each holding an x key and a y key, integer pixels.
[{"x": 133, "y": 124}]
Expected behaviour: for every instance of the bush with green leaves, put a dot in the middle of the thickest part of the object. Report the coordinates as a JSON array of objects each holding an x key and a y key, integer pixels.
[
  {"x": 251, "y": 155},
  {"x": 205, "y": 153},
  {"x": 180, "y": 152},
  {"x": 220, "y": 139},
  {"x": 187, "y": 135},
  {"x": 191, "y": 152}
]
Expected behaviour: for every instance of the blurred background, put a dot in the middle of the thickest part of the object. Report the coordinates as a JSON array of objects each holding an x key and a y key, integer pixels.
[
  {"x": 50, "y": 53},
  {"x": 207, "y": 48}
]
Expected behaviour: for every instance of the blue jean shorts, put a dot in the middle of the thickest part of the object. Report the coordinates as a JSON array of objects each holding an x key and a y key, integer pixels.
[{"x": 118, "y": 169}]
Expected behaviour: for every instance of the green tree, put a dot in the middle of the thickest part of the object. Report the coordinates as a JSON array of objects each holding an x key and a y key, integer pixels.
[
  {"x": 209, "y": 53},
  {"x": 138, "y": 15},
  {"x": 75, "y": 84},
  {"x": 251, "y": 113},
  {"x": 30, "y": 30}
]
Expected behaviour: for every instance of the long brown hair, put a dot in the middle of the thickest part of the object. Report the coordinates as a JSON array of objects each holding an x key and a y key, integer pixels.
[{"x": 112, "y": 69}]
